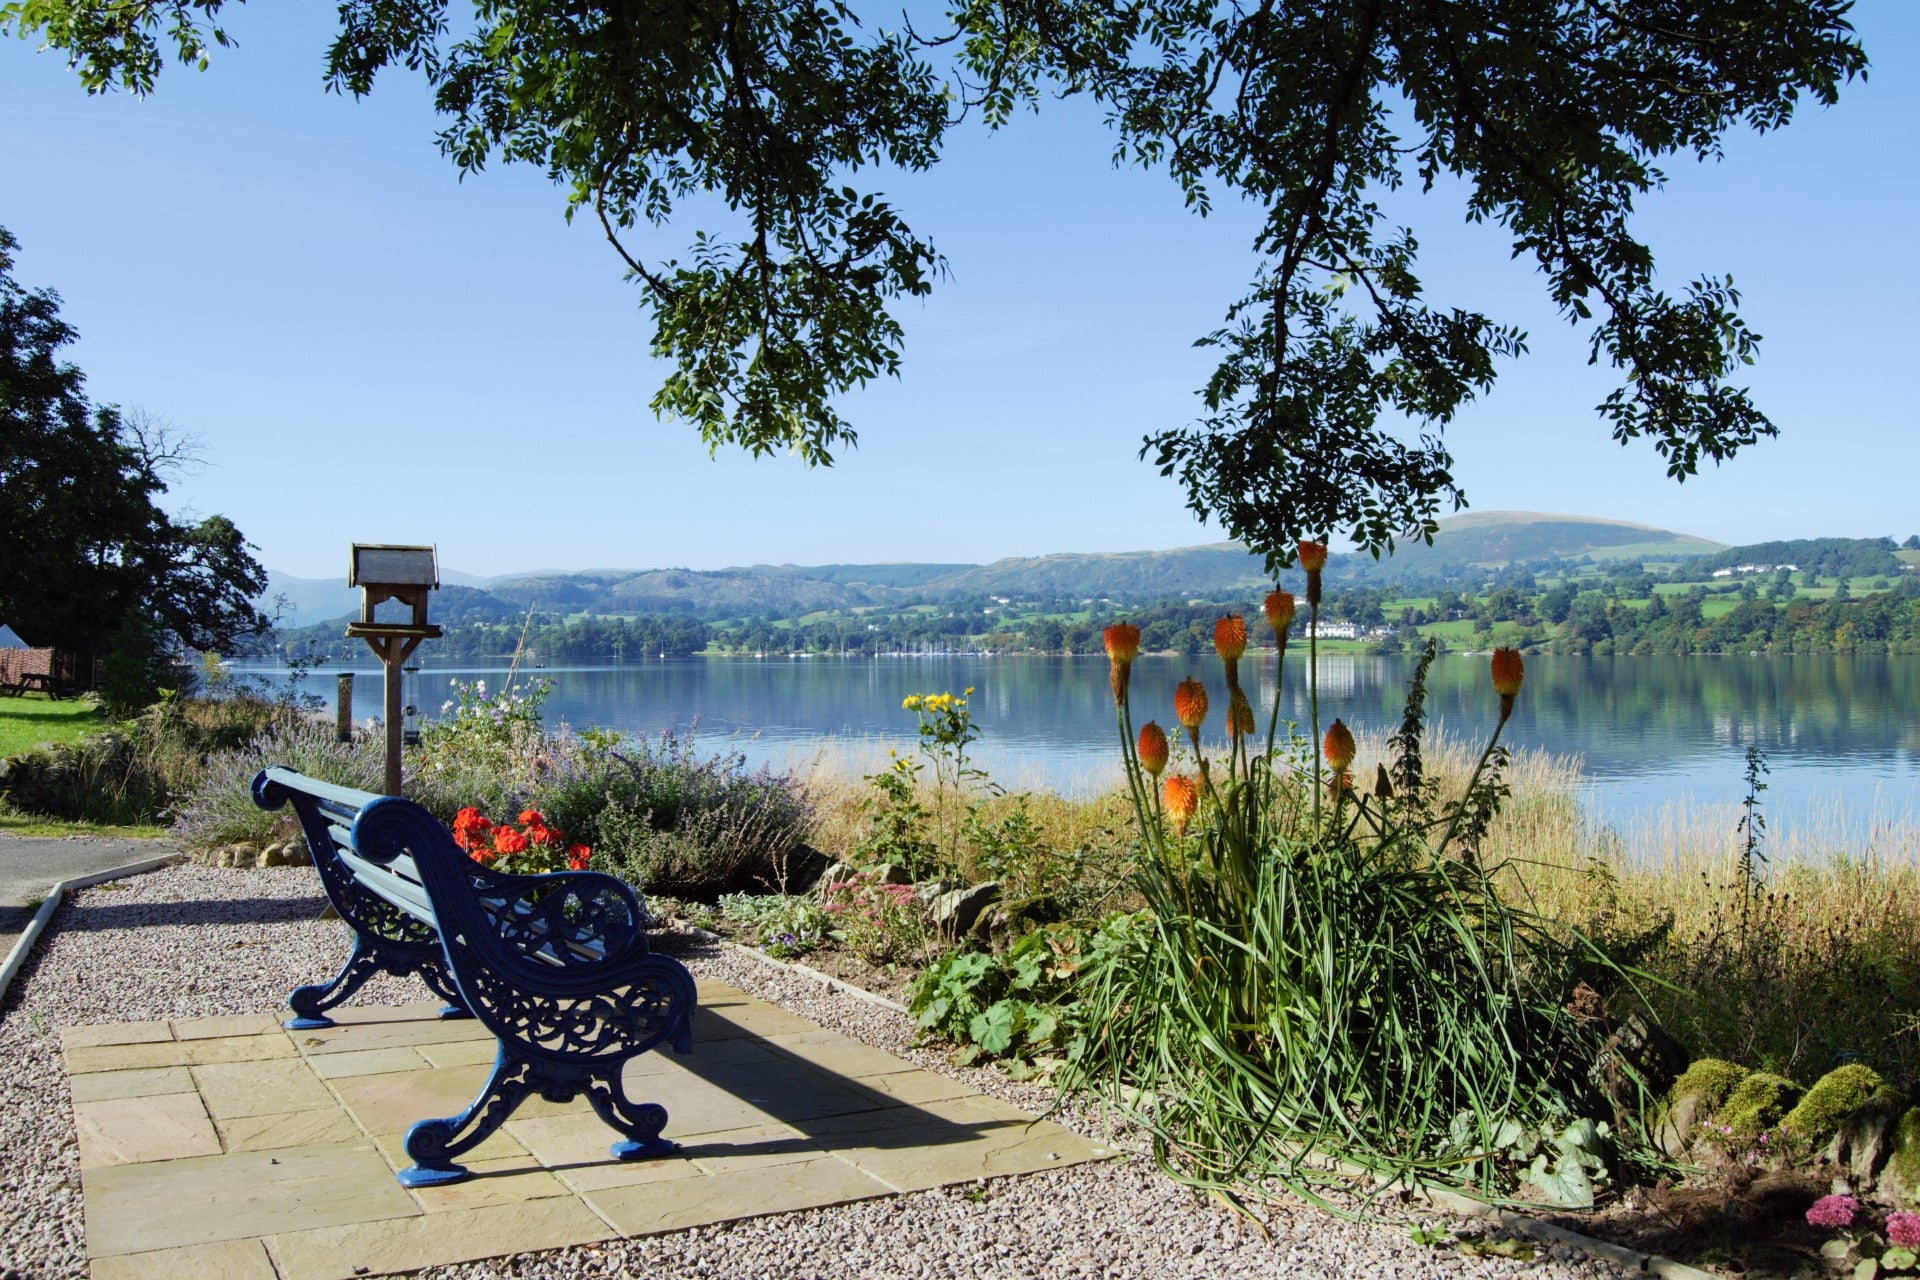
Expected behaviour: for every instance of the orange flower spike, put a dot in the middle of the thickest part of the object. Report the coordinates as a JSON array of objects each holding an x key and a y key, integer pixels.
[
  {"x": 1152, "y": 748},
  {"x": 1239, "y": 714},
  {"x": 1508, "y": 672},
  {"x": 1339, "y": 747},
  {"x": 1123, "y": 645},
  {"x": 1181, "y": 798},
  {"x": 1190, "y": 704},
  {"x": 1230, "y": 641},
  {"x": 1313, "y": 558},
  {"x": 1230, "y": 638},
  {"x": 1280, "y": 613}
]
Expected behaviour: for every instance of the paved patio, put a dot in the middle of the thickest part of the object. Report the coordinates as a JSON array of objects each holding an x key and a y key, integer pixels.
[{"x": 229, "y": 1147}]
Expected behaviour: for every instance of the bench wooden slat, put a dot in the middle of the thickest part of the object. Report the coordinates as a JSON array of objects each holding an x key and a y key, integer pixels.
[{"x": 406, "y": 894}]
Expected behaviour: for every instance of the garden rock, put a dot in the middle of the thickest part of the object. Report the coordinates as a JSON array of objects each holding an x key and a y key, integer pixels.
[
  {"x": 1698, "y": 1093},
  {"x": 1757, "y": 1104},
  {"x": 956, "y": 911},
  {"x": 1864, "y": 1140},
  {"x": 1637, "y": 1055},
  {"x": 1833, "y": 1097},
  {"x": 1900, "y": 1180}
]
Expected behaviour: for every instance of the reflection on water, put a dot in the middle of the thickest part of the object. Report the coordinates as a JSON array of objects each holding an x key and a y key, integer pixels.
[{"x": 1650, "y": 730}]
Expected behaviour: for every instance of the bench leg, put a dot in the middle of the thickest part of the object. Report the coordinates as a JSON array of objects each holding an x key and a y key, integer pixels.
[
  {"x": 433, "y": 1144},
  {"x": 310, "y": 1003},
  {"x": 640, "y": 1121},
  {"x": 434, "y": 974}
]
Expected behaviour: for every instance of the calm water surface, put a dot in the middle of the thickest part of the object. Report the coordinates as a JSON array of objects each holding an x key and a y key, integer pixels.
[{"x": 1650, "y": 731}]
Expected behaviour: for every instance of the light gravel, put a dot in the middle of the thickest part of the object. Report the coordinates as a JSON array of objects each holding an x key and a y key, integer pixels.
[{"x": 195, "y": 941}]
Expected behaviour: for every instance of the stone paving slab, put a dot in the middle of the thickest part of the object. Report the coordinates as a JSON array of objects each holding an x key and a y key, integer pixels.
[{"x": 229, "y": 1147}]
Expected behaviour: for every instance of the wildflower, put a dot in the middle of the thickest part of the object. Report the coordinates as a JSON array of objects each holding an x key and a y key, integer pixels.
[
  {"x": 1280, "y": 613},
  {"x": 1190, "y": 704},
  {"x": 1903, "y": 1229},
  {"x": 1508, "y": 670},
  {"x": 1313, "y": 558},
  {"x": 1123, "y": 645},
  {"x": 1833, "y": 1211},
  {"x": 1152, "y": 748},
  {"x": 1181, "y": 798},
  {"x": 1338, "y": 746},
  {"x": 1239, "y": 714}
]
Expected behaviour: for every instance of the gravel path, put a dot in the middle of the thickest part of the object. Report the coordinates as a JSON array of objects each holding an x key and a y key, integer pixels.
[{"x": 194, "y": 941}]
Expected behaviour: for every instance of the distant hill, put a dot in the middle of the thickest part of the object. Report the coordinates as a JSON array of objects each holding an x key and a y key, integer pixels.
[
  {"x": 1220, "y": 568},
  {"x": 1465, "y": 544}
]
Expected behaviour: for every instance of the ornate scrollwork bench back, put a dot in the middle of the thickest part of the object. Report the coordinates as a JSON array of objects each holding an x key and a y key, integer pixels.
[{"x": 556, "y": 966}]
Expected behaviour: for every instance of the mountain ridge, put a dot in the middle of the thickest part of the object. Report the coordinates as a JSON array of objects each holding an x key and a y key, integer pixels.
[{"x": 1470, "y": 541}]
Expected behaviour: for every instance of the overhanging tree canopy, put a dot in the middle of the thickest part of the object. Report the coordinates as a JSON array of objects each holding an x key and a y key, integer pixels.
[
  {"x": 1556, "y": 114},
  {"x": 83, "y": 545}
]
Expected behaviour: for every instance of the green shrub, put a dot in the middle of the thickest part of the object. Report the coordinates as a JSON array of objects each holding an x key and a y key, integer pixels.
[
  {"x": 219, "y": 809},
  {"x": 1018, "y": 1006},
  {"x": 783, "y": 926}
]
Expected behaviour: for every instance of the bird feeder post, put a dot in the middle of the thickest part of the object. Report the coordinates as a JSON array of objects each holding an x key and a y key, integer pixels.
[{"x": 407, "y": 574}]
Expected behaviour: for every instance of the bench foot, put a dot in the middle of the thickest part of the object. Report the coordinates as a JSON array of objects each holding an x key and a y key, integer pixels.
[
  {"x": 307, "y": 1024},
  {"x": 416, "y": 1176},
  {"x": 452, "y": 1011},
  {"x": 652, "y": 1149}
]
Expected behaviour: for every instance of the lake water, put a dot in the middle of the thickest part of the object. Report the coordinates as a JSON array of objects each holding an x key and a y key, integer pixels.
[{"x": 1838, "y": 731}]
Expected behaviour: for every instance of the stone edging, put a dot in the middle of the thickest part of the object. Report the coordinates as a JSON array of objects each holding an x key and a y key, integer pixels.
[
  {"x": 1546, "y": 1232},
  {"x": 17, "y": 957},
  {"x": 1440, "y": 1197},
  {"x": 805, "y": 971}
]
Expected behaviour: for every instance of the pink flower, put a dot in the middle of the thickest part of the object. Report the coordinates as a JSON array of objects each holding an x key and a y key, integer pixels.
[
  {"x": 1904, "y": 1229},
  {"x": 1833, "y": 1211}
]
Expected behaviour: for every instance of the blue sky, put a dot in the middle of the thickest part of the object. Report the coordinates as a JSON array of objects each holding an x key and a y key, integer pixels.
[{"x": 372, "y": 350}]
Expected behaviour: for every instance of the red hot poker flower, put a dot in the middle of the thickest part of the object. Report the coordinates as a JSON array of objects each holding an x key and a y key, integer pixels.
[
  {"x": 1181, "y": 798},
  {"x": 1339, "y": 746},
  {"x": 1239, "y": 714},
  {"x": 1313, "y": 555},
  {"x": 1123, "y": 645},
  {"x": 1152, "y": 748},
  {"x": 1230, "y": 638},
  {"x": 1508, "y": 671},
  {"x": 1280, "y": 612},
  {"x": 1190, "y": 704}
]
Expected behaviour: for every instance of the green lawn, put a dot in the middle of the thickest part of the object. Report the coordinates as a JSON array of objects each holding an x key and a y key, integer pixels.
[{"x": 34, "y": 718}]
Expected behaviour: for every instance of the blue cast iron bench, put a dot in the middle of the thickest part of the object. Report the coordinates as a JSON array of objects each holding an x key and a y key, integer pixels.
[{"x": 556, "y": 966}]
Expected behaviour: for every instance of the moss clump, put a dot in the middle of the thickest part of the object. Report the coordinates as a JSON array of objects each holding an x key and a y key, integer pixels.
[
  {"x": 1757, "y": 1103},
  {"x": 1900, "y": 1180},
  {"x": 1834, "y": 1097},
  {"x": 1711, "y": 1080}
]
